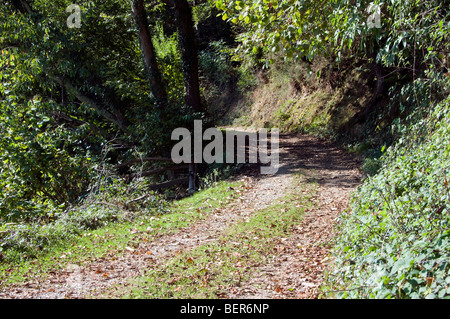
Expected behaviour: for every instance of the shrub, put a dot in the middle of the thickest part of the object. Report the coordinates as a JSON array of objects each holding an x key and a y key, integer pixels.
[
  {"x": 114, "y": 201},
  {"x": 395, "y": 241}
]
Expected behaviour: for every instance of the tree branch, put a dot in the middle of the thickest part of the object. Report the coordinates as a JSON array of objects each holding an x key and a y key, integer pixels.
[
  {"x": 87, "y": 100},
  {"x": 148, "y": 52},
  {"x": 145, "y": 159},
  {"x": 161, "y": 169},
  {"x": 181, "y": 181}
]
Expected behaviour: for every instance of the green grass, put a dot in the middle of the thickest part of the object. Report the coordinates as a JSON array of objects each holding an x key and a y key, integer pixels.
[
  {"x": 114, "y": 237},
  {"x": 208, "y": 271}
]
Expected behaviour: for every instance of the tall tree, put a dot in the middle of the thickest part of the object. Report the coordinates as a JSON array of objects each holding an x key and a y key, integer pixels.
[
  {"x": 189, "y": 53},
  {"x": 188, "y": 48},
  {"x": 148, "y": 52}
]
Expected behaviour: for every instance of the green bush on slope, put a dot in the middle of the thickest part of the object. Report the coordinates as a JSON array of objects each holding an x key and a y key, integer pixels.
[{"x": 395, "y": 243}]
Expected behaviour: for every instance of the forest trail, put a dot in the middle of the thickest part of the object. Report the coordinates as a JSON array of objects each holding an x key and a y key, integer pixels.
[{"x": 300, "y": 259}]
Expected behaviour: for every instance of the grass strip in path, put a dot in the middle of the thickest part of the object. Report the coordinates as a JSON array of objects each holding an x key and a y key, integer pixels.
[{"x": 214, "y": 269}]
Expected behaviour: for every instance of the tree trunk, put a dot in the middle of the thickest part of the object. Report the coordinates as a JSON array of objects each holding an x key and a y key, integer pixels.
[
  {"x": 148, "y": 52},
  {"x": 189, "y": 53},
  {"x": 192, "y": 174}
]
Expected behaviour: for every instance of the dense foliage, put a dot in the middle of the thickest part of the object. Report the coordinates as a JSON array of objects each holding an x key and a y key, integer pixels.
[
  {"x": 395, "y": 241},
  {"x": 308, "y": 29},
  {"x": 73, "y": 99},
  {"x": 76, "y": 102}
]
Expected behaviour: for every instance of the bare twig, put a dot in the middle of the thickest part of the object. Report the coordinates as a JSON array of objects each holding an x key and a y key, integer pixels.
[
  {"x": 144, "y": 159},
  {"x": 138, "y": 199}
]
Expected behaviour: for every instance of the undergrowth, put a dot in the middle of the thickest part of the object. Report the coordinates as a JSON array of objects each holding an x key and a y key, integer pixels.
[
  {"x": 34, "y": 250},
  {"x": 395, "y": 241}
]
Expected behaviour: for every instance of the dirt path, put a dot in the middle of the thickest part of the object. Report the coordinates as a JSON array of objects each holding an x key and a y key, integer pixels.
[
  {"x": 294, "y": 273},
  {"x": 297, "y": 270}
]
